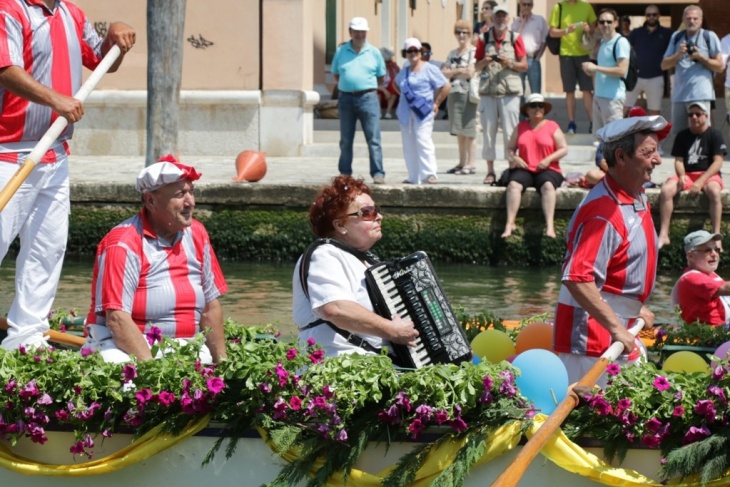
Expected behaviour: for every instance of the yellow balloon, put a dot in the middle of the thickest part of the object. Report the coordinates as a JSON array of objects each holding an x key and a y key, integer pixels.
[
  {"x": 493, "y": 345},
  {"x": 685, "y": 362}
]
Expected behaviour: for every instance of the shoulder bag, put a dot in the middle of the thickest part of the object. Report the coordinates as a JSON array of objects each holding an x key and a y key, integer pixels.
[
  {"x": 553, "y": 43},
  {"x": 473, "y": 83}
]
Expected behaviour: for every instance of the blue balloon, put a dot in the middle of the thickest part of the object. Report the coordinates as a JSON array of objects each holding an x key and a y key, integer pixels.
[
  {"x": 475, "y": 359},
  {"x": 542, "y": 376}
]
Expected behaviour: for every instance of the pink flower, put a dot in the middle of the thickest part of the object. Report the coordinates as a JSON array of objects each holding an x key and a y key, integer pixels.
[
  {"x": 142, "y": 396},
  {"x": 623, "y": 405},
  {"x": 342, "y": 435},
  {"x": 10, "y": 386},
  {"x": 415, "y": 428},
  {"x": 317, "y": 356},
  {"x": 458, "y": 424},
  {"x": 311, "y": 341},
  {"x": 695, "y": 434},
  {"x": 29, "y": 390},
  {"x": 661, "y": 384},
  {"x": 403, "y": 401},
  {"x": 166, "y": 398},
  {"x": 45, "y": 400},
  {"x": 295, "y": 403},
  {"x": 86, "y": 351},
  {"x": 678, "y": 412},
  {"x": 706, "y": 408},
  {"x": 441, "y": 417},
  {"x": 653, "y": 425},
  {"x": 215, "y": 385},
  {"x": 487, "y": 382},
  {"x": 282, "y": 373},
  {"x": 291, "y": 353},
  {"x": 613, "y": 369},
  {"x": 265, "y": 388},
  {"x": 154, "y": 335},
  {"x": 129, "y": 372},
  {"x": 651, "y": 441}
]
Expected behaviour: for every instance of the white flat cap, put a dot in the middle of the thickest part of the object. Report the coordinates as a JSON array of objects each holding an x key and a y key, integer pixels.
[
  {"x": 621, "y": 128},
  {"x": 167, "y": 171}
]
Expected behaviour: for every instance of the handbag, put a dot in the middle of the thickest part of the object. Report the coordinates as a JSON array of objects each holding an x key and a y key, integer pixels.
[
  {"x": 553, "y": 43},
  {"x": 473, "y": 85},
  {"x": 420, "y": 105}
]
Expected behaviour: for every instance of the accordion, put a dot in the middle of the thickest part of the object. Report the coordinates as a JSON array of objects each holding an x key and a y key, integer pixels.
[{"x": 410, "y": 289}]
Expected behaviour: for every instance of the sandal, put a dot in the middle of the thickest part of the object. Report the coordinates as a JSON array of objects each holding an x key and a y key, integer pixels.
[
  {"x": 464, "y": 171},
  {"x": 491, "y": 179},
  {"x": 455, "y": 170}
]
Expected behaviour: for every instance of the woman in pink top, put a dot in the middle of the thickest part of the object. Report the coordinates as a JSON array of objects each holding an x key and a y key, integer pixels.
[{"x": 534, "y": 153}]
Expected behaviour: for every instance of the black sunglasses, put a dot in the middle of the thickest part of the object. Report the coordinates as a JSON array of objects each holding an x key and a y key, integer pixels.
[
  {"x": 536, "y": 105},
  {"x": 652, "y": 15},
  {"x": 459, "y": 32},
  {"x": 367, "y": 213},
  {"x": 695, "y": 114},
  {"x": 606, "y": 22},
  {"x": 411, "y": 51}
]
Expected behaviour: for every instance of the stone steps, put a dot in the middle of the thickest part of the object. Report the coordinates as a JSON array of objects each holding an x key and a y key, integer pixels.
[{"x": 326, "y": 138}]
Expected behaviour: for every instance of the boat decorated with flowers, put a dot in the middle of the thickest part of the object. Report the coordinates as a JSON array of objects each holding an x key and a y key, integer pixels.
[{"x": 276, "y": 413}]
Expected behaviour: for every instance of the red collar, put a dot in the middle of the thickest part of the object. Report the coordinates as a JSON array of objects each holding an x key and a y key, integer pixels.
[{"x": 621, "y": 194}]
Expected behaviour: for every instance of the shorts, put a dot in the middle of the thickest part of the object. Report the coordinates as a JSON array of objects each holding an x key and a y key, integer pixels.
[
  {"x": 571, "y": 72},
  {"x": 605, "y": 111},
  {"x": 536, "y": 179},
  {"x": 653, "y": 89},
  {"x": 690, "y": 178}
]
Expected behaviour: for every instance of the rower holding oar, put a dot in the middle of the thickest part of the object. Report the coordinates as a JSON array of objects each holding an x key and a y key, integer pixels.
[
  {"x": 43, "y": 47},
  {"x": 611, "y": 258}
]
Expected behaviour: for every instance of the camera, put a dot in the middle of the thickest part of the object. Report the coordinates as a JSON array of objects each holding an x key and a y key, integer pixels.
[
  {"x": 690, "y": 48},
  {"x": 495, "y": 57}
]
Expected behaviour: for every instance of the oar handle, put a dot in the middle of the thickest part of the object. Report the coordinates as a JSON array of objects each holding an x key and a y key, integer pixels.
[
  {"x": 514, "y": 472},
  {"x": 53, "y": 335},
  {"x": 56, "y": 128}
]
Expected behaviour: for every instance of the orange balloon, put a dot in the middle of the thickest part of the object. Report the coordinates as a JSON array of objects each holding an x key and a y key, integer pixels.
[
  {"x": 535, "y": 335},
  {"x": 250, "y": 166}
]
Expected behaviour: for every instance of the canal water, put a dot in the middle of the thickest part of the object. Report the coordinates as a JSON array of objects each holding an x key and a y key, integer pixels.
[{"x": 260, "y": 293}]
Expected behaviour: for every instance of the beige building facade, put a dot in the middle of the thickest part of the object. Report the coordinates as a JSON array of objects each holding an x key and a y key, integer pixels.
[{"x": 254, "y": 69}]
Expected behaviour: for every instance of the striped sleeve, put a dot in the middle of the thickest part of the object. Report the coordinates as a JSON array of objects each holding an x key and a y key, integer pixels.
[
  {"x": 214, "y": 284},
  {"x": 11, "y": 41},
  {"x": 119, "y": 271},
  {"x": 90, "y": 41}
]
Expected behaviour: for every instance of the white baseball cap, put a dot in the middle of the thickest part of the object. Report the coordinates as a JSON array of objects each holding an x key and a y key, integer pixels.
[
  {"x": 411, "y": 42},
  {"x": 499, "y": 9},
  {"x": 359, "y": 23}
]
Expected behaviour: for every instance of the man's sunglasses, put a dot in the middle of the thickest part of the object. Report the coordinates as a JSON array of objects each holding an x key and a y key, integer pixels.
[{"x": 367, "y": 213}]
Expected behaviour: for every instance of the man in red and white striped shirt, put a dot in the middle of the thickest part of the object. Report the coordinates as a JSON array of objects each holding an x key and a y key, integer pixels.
[
  {"x": 611, "y": 260},
  {"x": 44, "y": 45},
  {"x": 157, "y": 269}
]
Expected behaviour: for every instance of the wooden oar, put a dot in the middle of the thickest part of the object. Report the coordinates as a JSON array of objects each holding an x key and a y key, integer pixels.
[
  {"x": 514, "y": 472},
  {"x": 55, "y": 129},
  {"x": 54, "y": 336}
]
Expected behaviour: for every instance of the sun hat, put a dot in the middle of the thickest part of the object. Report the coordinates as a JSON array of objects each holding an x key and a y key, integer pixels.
[
  {"x": 167, "y": 170},
  {"x": 621, "y": 128},
  {"x": 699, "y": 237},
  {"x": 499, "y": 9},
  {"x": 359, "y": 23},
  {"x": 535, "y": 98}
]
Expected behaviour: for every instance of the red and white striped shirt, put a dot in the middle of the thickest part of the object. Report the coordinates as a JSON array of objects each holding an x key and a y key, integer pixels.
[
  {"x": 611, "y": 242},
  {"x": 157, "y": 283},
  {"x": 53, "y": 47}
]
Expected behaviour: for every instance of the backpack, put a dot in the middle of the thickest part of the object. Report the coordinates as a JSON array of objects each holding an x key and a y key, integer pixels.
[{"x": 632, "y": 74}]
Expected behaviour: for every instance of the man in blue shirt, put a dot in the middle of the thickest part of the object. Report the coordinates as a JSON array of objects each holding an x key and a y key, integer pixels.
[
  {"x": 650, "y": 41},
  {"x": 359, "y": 69},
  {"x": 609, "y": 90}
]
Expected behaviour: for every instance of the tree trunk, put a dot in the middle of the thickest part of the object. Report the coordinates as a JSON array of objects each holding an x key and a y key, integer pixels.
[{"x": 165, "y": 38}]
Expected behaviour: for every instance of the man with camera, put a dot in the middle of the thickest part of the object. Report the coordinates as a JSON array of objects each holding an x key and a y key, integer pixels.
[
  {"x": 695, "y": 54},
  {"x": 501, "y": 57}
]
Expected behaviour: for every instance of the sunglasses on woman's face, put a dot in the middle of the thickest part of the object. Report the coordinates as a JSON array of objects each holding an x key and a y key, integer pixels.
[
  {"x": 461, "y": 32},
  {"x": 367, "y": 213},
  {"x": 536, "y": 105}
]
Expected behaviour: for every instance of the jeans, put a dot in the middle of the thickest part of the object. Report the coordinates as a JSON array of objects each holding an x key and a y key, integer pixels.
[
  {"x": 365, "y": 108},
  {"x": 533, "y": 76}
]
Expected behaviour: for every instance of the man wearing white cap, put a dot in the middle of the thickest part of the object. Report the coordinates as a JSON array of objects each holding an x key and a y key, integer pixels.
[
  {"x": 698, "y": 154},
  {"x": 156, "y": 274},
  {"x": 700, "y": 293},
  {"x": 359, "y": 70},
  {"x": 611, "y": 260}
]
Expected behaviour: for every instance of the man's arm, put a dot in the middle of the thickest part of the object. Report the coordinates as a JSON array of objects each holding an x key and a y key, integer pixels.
[
  {"x": 123, "y": 36},
  {"x": 126, "y": 335},
  {"x": 679, "y": 171},
  {"x": 618, "y": 71},
  {"x": 588, "y": 297},
  {"x": 713, "y": 63},
  {"x": 18, "y": 82},
  {"x": 211, "y": 323},
  {"x": 671, "y": 60}
]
